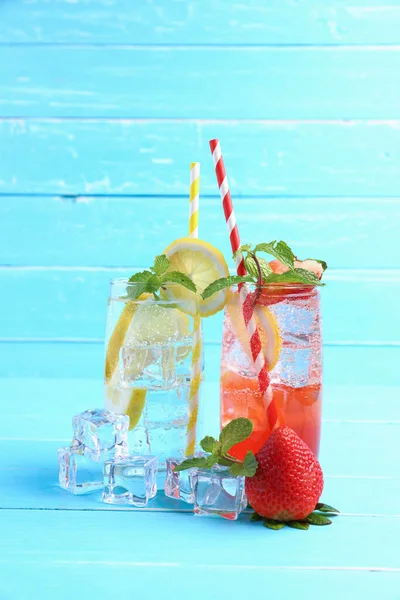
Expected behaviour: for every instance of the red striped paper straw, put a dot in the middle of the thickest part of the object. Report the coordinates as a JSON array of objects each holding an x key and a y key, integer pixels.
[{"x": 245, "y": 294}]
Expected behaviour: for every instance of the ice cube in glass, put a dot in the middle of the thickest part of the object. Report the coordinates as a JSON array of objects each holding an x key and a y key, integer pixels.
[
  {"x": 101, "y": 433},
  {"x": 218, "y": 493},
  {"x": 77, "y": 473},
  {"x": 130, "y": 480}
]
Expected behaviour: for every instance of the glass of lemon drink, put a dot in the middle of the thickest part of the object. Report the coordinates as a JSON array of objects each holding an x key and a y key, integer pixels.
[{"x": 154, "y": 357}]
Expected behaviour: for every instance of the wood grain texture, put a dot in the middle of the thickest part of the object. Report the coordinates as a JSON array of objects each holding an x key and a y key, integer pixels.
[
  {"x": 61, "y": 579},
  {"x": 201, "y": 83},
  {"x": 121, "y": 231},
  {"x": 200, "y": 22},
  {"x": 56, "y": 156},
  {"x": 72, "y": 304}
]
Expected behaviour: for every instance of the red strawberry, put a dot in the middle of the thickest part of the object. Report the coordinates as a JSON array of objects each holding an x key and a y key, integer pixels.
[{"x": 288, "y": 482}]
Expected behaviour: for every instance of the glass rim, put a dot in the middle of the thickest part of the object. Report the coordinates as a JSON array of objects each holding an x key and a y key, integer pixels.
[{"x": 289, "y": 289}]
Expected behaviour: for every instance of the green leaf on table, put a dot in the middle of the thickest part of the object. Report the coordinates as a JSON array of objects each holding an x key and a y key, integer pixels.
[
  {"x": 247, "y": 468},
  {"x": 317, "y": 519},
  {"x": 294, "y": 276},
  {"x": 181, "y": 278},
  {"x": 224, "y": 282},
  {"x": 298, "y": 525},
  {"x": 210, "y": 444},
  {"x": 235, "y": 432},
  {"x": 256, "y": 517},
  {"x": 325, "y": 508},
  {"x": 161, "y": 264},
  {"x": 279, "y": 250},
  {"x": 276, "y": 525}
]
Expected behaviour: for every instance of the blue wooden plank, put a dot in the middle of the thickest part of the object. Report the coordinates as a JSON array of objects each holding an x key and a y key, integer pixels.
[
  {"x": 222, "y": 83},
  {"x": 200, "y": 22},
  {"x": 184, "y": 541},
  {"x": 195, "y": 22},
  {"x": 353, "y": 158},
  {"x": 61, "y": 579},
  {"x": 99, "y": 231},
  {"x": 72, "y": 304}
]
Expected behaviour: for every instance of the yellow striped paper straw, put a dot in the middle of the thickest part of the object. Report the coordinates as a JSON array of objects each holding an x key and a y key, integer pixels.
[{"x": 195, "y": 378}]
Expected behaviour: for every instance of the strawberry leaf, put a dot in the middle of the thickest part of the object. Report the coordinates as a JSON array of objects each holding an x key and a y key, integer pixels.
[
  {"x": 298, "y": 525},
  {"x": 271, "y": 524},
  {"x": 256, "y": 517},
  {"x": 325, "y": 508},
  {"x": 317, "y": 519}
]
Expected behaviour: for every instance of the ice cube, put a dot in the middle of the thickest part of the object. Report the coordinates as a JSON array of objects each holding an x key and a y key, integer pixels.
[
  {"x": 218, "y": 493},
  {"x": 130, "y": 480},
  {"x": 178, "y": 484},
  {"x": 101, "y": 434},
  {"x": 77, "y": 473}
]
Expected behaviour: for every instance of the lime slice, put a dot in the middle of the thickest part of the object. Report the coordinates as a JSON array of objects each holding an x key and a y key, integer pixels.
[{"x": 204, "y": 264}]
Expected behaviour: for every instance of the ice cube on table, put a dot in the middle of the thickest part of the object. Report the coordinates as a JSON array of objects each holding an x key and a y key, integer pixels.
[
  {"x": 178, "y": 484},
  {"x": 130, "y": 480},
  {"x": 101, "y": 434},
  {"x": 78, "y": 474},
  {"x": 218, "y": 493}
]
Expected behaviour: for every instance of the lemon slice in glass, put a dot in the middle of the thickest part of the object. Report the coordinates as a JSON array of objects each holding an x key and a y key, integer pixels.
[{"x": 203, "y": 263}]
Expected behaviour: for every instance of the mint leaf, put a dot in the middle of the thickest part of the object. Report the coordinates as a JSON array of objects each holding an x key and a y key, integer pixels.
[
  {"x": 235, "y": 432},
  {"x": 211, "y": 460},
  {"x": 279, "y": 250},
  {"x": 271, "y": 524},
  {"x": 241, "y": 249},
  {"x": 224, "y": 282},
  {"x": 294, "y": 276},
  {"x": 134, "y": 291},
  {"x": 298, "y": 525},
  {"x": 161, "y": 264},
  {"x": 140, "y": 277},
  {"x": 181, "y": 278},
  {"x": 265, "y": 268},
  {"x": 210, "y": 444},
  {"x": 189, "y": 463},
  {"x": 251, "y": 266},
  {"x": 325, "y": 508},
  {"x": 321, "y": 262},
  {"x": 247, "y": 468},
  {"x": 153, "y": 284},
  {"x": 317, "y": 519}
]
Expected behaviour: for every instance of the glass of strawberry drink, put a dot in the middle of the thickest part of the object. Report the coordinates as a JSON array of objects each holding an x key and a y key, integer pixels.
[{"x": 288, "y": 320}]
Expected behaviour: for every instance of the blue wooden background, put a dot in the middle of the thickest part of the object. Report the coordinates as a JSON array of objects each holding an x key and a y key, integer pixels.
[{"x": 103, "y": 104}]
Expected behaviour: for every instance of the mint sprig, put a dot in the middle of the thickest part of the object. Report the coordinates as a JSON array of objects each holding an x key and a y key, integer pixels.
[
  {"x": 151, "y": 281},
  {"x": 259, "y": 271},
  {"x": 235, "y": 432}
]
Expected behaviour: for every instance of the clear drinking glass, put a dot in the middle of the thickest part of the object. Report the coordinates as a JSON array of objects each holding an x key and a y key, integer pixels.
[
  {"x": 289, "y": 323},
  {"x": 148, "y": 369}
]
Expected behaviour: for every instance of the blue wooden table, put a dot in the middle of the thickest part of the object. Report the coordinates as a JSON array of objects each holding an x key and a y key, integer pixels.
[{"x": 103, "y": 104}]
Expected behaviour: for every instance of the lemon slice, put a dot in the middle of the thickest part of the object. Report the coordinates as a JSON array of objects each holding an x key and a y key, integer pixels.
[
  {"x": 267, "y": 326},
  {"x": 203, "y": 263}
]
